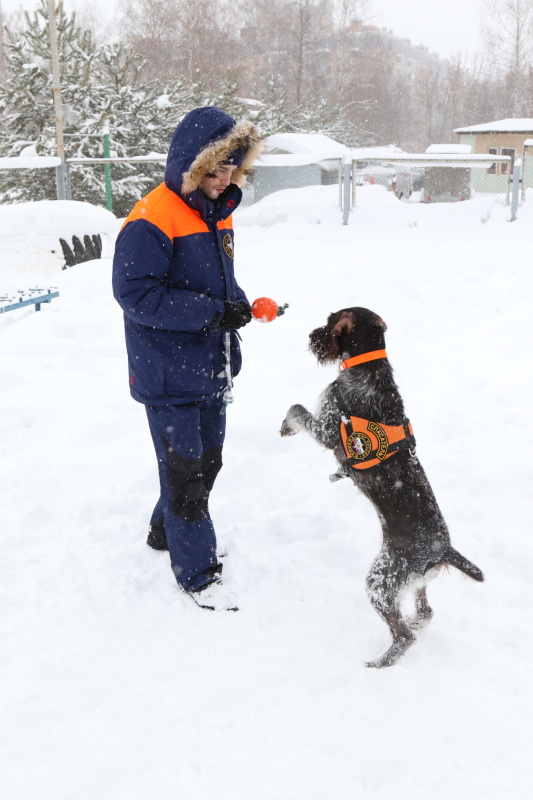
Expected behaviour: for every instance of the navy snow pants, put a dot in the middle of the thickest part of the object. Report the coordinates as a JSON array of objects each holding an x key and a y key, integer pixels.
[{"x": 188, "y": 442}]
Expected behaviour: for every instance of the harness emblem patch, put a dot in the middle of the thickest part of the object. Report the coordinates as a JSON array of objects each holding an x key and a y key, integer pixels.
[
  {"x": 381, "y": 436},
  {"x": 359, "y": 445},
  {"x": 227, "y": 244}
]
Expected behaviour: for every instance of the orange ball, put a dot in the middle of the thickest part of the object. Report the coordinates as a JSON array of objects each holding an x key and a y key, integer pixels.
[{"x": 264, "y": 309}]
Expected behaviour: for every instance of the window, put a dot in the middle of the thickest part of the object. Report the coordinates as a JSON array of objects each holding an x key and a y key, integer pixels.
[
  {"x": 508, "y": 151},
  {"x": 492, "y": 169}
]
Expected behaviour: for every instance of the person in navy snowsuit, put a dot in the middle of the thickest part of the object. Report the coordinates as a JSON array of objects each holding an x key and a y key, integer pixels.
[{"x": 173, "y": 277}]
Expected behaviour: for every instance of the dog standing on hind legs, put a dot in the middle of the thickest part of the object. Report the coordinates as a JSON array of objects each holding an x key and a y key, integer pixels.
[{"x": 361, "y": 419}]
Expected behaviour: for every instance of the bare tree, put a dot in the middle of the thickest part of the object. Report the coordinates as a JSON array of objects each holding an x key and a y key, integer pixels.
[
  {"x": 508, "y": 30},
  {"x": 151, "y": 28},
  {"x": 344, "y": 13},
  {"x": 301, "y": 19},
  {"x": 2, "y": 54},
  {"x": 280, "y": 37},
  {"x": 190, "y": 39}
]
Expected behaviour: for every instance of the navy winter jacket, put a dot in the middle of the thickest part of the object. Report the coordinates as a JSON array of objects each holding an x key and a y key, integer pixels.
[{"x": 173, "y": 269}]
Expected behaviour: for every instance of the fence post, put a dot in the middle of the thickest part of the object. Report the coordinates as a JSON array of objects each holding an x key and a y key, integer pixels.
[
  {"x": 107, "y": 172},
  {"x": 525, "y": 163},
  {"x": 62, "y": 182},
  {"x": 61, "y": 177},
  {"x": 347, "y": 191},
  {"x": 516, "y": 188},
  {"x": 68, "y": 185}
]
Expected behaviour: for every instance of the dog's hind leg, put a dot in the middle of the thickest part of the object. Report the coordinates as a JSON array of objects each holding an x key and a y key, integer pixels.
[
  {"x": 385, "y": 579},
  {"x": 423, "y": 611}
]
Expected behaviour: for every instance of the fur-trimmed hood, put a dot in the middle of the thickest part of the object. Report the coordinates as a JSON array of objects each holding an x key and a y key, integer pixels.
[{"x": 205, "y": 138}]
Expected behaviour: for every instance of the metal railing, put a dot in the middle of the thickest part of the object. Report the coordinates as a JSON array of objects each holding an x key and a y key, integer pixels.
[
  {"x": 428, "y": 178},
  {"x": 107, "y": 161},
  {"x": 27, "y": 297},
  {"x": 284, "y": 181}
]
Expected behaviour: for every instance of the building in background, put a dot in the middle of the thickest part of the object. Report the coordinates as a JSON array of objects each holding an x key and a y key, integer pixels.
[
  {"x": 404, "y": 77},
  {"x": 386, "y": 85},
  {"x": 503, "y": 137}
]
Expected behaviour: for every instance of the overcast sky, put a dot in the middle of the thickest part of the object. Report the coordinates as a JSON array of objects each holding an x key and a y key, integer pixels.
[{"x": 445, "y": 26}]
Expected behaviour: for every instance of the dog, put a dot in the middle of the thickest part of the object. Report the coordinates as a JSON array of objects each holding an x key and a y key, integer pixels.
[{"x": 380, "y": 459}]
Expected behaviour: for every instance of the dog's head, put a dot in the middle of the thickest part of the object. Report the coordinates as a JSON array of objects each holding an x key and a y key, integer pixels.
[{"x": 349, "y": 332}]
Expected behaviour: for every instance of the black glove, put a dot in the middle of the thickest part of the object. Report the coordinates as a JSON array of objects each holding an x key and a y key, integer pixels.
[{"x": 236, "y": 315}]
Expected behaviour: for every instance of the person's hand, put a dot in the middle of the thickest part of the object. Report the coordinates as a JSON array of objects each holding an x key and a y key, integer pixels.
[{"x": 236, "y": 315}]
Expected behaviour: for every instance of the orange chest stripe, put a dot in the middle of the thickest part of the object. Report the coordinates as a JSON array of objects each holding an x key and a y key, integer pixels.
[{"x": 168, "y": 212}]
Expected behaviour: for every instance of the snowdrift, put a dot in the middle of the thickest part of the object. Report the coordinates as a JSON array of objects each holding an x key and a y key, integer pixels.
[{"x": 116, "y": 684}]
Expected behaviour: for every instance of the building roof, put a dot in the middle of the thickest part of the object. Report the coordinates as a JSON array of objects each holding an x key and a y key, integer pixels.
[
  {"x": 304, "y": 144},
  {"x": 523, "y": 125},
  {"x": 449, "y": 148}
]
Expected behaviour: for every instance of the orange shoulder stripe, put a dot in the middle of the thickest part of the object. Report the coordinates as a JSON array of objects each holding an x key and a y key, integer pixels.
[
  {"x": 168, "y": 212},
  {"x": 225, "y": 223}
]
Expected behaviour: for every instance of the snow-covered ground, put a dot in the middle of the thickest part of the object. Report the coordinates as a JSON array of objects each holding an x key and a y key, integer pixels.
[{"x": 117, "y": 687}]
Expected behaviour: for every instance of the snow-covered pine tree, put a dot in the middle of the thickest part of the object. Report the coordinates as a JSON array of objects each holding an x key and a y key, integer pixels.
[
  {"x": 130, "y": 111},
  {"x": 103, "y": 89},
  {"x": 320, "y": 116},
  {"x": 274, "y": 98},
  {"x": 26, "y": 97},
  {"x": 315, "y": 116}
]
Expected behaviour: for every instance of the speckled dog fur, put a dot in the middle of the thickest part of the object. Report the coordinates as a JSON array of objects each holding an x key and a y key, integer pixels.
[{"x": 416, "y": 542}]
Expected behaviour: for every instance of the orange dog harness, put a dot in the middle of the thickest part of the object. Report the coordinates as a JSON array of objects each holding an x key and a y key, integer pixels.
[{"x": 369, "y": 443}]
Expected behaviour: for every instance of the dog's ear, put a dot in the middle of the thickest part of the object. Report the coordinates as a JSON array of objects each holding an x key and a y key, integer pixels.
[
  {"x": 344, "y": 325},
  {"x": 382, "y": 324}
]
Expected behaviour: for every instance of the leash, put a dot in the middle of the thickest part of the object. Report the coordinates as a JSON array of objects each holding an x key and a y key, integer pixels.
[
  {"x": 264, "y": 309},
  {"x": 227, "y": 397},
  {"x": 368, "y": 444}
]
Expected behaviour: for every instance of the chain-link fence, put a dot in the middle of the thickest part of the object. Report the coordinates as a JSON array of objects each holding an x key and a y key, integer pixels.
[
  {"x": 282, "y": 182},
  {"x": 303, "y": 182},
  {"x": 328, "y": 187},
  {"x": 125, "y": 180},
  {"x": 430, "y": 179}
]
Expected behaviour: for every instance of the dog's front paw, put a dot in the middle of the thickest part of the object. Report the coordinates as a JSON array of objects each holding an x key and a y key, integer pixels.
[
  {"x": 294, "y": 420},
  {"x": 287, "y": 429},
  {"x": 290, "y": 425}
]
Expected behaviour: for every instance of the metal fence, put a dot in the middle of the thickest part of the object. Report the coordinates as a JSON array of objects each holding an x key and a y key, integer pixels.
[
  {"x": 334, "y": 186},
  {"x": 527, "y": 170},
  {"x": 284, "y": 182},
  {"x": 301, "y": 181},
  {"x": 429, "y": 179},
  {"x": 277, "y": 184}
]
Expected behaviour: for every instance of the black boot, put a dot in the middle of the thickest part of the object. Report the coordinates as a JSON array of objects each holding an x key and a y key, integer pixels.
[{"x": 157, "y": 538}]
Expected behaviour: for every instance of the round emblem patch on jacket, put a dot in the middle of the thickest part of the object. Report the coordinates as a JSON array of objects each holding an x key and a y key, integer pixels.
[
  {"x": 227, "y": 244},
  {"x": 359, "y": 445}
]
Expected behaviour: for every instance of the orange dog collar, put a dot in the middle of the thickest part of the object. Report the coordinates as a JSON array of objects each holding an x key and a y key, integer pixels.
[{"x": 372, "y": 356}]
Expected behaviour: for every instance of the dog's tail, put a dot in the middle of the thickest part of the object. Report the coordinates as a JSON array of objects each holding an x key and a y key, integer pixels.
[{"x": 458, "y": 561}]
